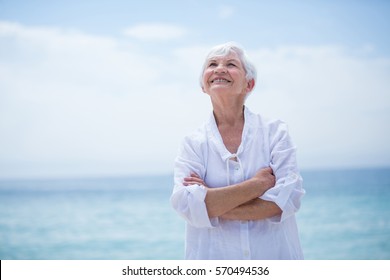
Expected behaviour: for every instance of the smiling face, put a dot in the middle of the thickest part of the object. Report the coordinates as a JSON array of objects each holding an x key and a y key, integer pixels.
[{"x": 225, "y": 74}]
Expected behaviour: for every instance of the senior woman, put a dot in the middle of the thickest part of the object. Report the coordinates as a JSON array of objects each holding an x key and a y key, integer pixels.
[{"x": 236, "y": 181}]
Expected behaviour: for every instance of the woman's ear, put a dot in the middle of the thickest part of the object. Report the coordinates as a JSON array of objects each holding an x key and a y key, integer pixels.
[{"x": 250, "y": 85}]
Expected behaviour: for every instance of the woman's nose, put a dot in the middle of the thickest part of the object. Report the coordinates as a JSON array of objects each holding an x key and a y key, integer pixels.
[{"x": 220, "y": 68}]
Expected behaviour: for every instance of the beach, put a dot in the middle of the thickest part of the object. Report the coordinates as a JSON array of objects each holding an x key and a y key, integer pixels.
[{"x": 344, "y": 215}]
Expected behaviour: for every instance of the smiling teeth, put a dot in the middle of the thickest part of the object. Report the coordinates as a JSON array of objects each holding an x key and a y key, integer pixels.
[{"x": 220, "y": 81}]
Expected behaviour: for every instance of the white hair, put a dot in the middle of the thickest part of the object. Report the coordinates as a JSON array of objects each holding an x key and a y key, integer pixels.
[{"x": 225, "y": 49}]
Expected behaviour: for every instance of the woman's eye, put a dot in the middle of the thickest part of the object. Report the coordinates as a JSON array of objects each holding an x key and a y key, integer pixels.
[
  {"x": 231, "y": 64},
  {"x": 213, "y": 64}
]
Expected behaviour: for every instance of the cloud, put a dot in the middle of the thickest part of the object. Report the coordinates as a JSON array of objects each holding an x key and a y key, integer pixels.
[
  {"x": 336, "y": 102},
  {"x": 74, "y": 101},
  {"x": 225, "y": 12},
  {"x": 155, "y": 31},
  {"x": 76, "y": 104}
]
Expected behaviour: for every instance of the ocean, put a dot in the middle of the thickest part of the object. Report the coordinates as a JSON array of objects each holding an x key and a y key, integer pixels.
[{"x": 345, "y": 214}]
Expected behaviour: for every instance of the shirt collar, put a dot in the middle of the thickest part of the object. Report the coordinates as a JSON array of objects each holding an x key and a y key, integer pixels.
[{"x": 215, "y": 137}]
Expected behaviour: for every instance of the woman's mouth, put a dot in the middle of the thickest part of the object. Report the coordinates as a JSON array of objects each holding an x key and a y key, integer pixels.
[{"x": 220, "y": 81}]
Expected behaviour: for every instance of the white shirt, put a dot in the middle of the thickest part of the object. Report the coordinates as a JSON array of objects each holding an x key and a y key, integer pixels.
[{"x": 264, "y": 143}]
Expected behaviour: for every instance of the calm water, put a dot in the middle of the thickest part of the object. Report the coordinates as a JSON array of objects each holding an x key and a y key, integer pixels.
[{"x": 344, "y": 215}]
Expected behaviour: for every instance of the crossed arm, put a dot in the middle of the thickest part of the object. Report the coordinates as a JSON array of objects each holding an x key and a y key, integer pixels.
[{"x": 240, "y": 201}]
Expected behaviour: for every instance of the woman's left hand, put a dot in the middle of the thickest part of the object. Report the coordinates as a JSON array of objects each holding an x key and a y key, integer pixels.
[{"x": 194, "y": 179}]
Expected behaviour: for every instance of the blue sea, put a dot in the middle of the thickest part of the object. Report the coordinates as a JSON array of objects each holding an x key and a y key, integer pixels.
[{"x": 345, "y": 214}]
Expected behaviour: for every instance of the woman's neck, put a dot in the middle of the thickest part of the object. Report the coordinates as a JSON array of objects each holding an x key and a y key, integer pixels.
[
  {"x": 232, "y": 115},
  {"x": 230, "y": 123}
]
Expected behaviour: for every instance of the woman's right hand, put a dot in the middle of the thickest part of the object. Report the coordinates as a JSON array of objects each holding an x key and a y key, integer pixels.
[{"x": 265, "y": 179}]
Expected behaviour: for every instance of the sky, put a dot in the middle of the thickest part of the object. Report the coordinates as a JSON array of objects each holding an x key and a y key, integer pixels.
[{"x": 110, "y": 88}]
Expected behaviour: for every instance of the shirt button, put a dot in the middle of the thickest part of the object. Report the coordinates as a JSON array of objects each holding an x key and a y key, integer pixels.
[{"x": 246, "y": 253}]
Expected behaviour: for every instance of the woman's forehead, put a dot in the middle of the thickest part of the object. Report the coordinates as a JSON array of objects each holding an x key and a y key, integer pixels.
[{"x": 228, "y": 56}]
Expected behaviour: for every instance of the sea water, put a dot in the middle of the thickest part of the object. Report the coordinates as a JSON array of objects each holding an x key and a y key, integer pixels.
[{"x": 344, "y": 215}]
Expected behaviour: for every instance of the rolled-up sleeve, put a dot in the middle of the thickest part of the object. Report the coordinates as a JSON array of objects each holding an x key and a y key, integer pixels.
[
  {"x": 189, "y": 201},
  {"x": 288, "y": 189}
]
